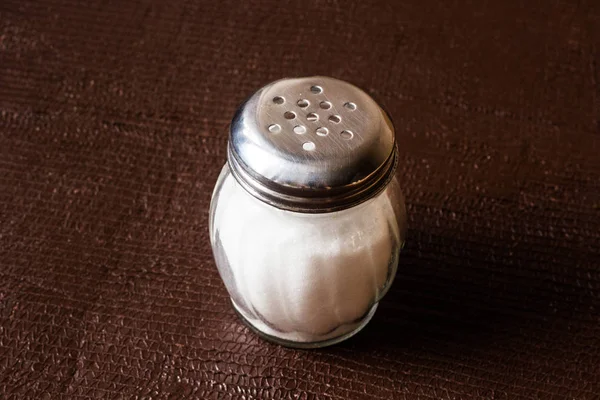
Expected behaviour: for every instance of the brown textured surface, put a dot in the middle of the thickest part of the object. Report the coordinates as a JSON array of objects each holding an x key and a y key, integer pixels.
[{"x": 112, "y": 132}]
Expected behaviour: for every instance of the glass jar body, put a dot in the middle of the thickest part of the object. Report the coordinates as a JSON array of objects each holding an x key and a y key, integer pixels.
[{"x": 302, "y": 279}]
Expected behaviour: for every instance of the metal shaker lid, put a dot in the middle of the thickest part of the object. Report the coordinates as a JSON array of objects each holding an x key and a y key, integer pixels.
[{"x": 313, "y": 144}]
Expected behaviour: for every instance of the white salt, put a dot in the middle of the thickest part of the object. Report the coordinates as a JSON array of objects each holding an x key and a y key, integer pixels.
[{"x": 308, "y": 277}]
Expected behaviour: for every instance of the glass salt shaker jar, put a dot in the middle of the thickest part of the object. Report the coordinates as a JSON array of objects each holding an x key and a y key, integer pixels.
[{"x": 307, "y": 218}]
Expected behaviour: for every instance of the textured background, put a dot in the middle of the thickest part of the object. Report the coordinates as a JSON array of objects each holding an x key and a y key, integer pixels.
[{"x": 113, "y": 128}]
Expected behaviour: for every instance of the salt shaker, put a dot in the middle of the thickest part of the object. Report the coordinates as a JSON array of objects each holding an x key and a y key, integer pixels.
[{"x": 307, "y": 218}]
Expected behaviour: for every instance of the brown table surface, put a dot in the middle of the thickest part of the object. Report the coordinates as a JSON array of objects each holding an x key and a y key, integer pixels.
[{"x": 113, "y": 128}]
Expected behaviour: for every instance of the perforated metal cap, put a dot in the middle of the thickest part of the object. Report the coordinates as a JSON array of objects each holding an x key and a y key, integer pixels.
[{"x": 314, "y": 144}]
